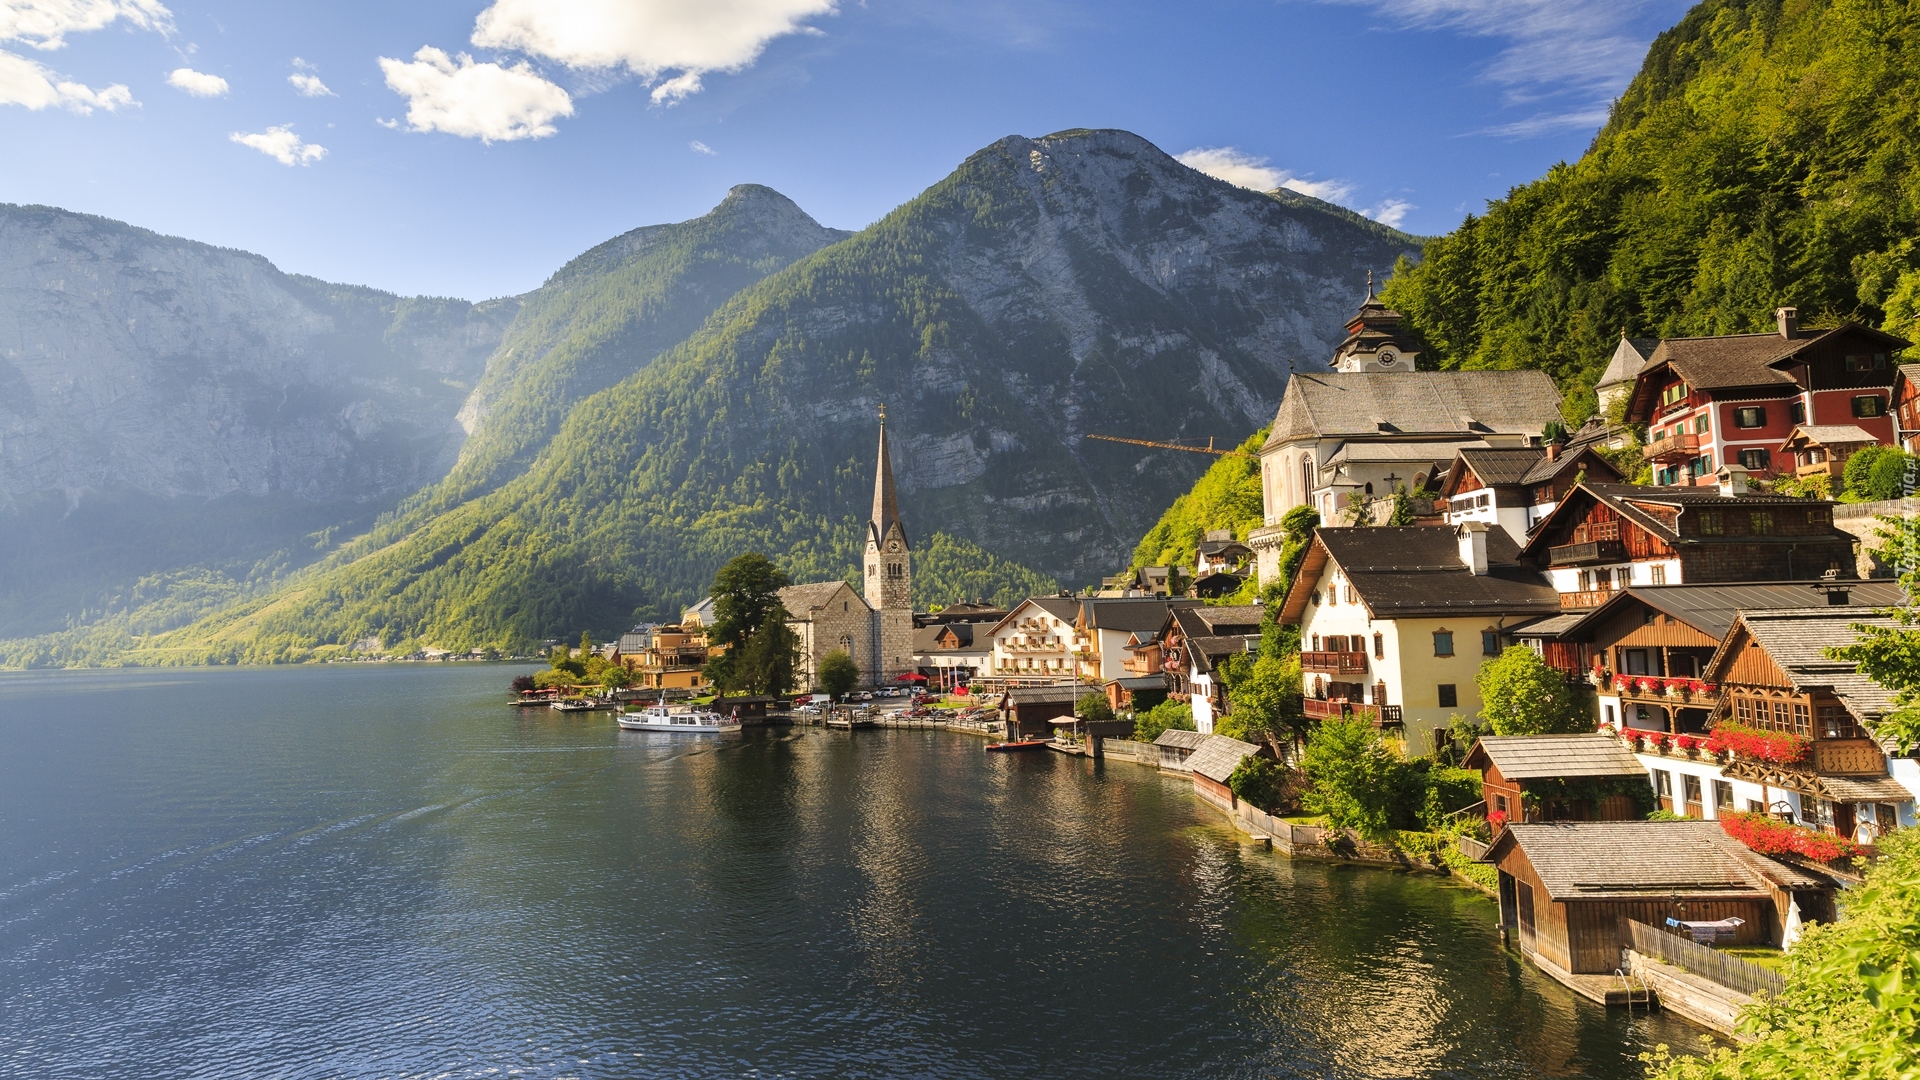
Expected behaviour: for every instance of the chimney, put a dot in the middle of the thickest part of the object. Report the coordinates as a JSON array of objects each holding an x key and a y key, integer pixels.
[
  {"x": 1473, "y": 546},
  {"x": 1839, "y": 593},
  {"x": 1789, "y": 320},
  {"x": 1733, "y": 480},
  {"x": 1553, "y": 451}
]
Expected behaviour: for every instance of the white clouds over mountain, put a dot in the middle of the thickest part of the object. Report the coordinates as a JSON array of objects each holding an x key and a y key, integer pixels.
[
  {"x": 45, "y": 24},
  {"x": 485, "y": 101},
  {"x": 1247, "y": 171},
  {"x": 282, "y": 145},
  {"x": 35, "y": 86},
  {"x": 197, "y": 83}
]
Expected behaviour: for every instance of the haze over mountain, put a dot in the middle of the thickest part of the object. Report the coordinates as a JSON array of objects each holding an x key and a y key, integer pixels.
[{"x": 1048, "y": 289}]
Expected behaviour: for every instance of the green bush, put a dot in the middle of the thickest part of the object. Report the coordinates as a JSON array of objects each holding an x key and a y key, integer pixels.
[
  {"x": 1093, "y": 708},
  {"x": 1521, "y": 695},
  {"x": 1448, "y": 790},
  {"x": 838, "y": 673},
  {"x": 1166, "y": 716},
  {"x": 1359, "y": 781},
  {"x": 1875, "y": 473},
  {"x": 1261, "y": 782}
]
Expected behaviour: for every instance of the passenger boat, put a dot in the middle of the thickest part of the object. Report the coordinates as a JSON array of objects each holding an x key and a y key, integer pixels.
[
  {"x": 1018, "y": 744},
  {"x": 573, "y": 705},
  {"x": 677, "y": 718}
]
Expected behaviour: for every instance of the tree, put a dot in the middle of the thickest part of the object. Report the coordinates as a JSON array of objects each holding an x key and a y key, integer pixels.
[
  {"x": 1166, "y": 716},
  {"x": 1890, "y": 655},
  {"x": 1521, "y": 695},
  {"x": 561, "y": 661},
  {"x": 838, "y": 674},
  {"x": 1093, "y": 708},
  {"x": 1261, "y": 782},
  {"x": 746, "y": 599},
  {"x": 769, "y": 662},
  {"x": 1267, "y": 703},
  {"x": 586, "y": 644},
  {"x": 1874, "y": 473},
  {"x": 616, "y": 676},
  {"x": 1851, "y": 1006},
  {"x": 1402, "y": 514},
  {"x": 1359, "y": 781}
]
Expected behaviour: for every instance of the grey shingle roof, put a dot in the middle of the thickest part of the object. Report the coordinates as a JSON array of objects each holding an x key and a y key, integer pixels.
[
  {"x": 1794, "y": 639},
  {"x": 1218, "y": 756},
  {"x": 1503, "y": 465},
  {"x": 1185, "y": 740},
  {"x": 1628, "y": 358},
  {"x": 1548, "y": 757},
  {"x": 802, "y": 599},
  {"x": 1130, "y": 613},
  {"x": 1460, "y": 403},
  {"x": 1711, "y": 609},
  {"x": 1047, "y": 695},
  {"x": 1417, "y": 570},
  {"x": 1648, "y": 507},
  {"x": 1601, "y": 859},
  {"x": 1828, "y": 435},
  {"x": 1718, "y": 363}
]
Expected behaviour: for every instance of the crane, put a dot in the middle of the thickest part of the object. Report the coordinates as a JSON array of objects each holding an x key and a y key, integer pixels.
[{"x": 1207, "y": 449}]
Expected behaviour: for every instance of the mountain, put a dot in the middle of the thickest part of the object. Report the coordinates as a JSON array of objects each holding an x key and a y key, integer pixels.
[
  {"x": 166, "y": 404},
  {"x": 1767, "y": 154},
  {"x": 1049, "y": 288}
]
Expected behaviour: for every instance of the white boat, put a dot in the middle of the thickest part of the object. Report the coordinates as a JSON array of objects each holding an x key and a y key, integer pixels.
[{"x": 676, "y": 718}]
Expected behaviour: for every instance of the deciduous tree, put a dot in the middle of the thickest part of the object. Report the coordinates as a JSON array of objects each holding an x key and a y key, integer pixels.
[
  {"x": 1521, "y": 695},
  {"x": 838, "y": 673}
]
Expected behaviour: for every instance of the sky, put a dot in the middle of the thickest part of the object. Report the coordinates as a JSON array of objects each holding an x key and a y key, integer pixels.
[{"x": 469, "y": 148}]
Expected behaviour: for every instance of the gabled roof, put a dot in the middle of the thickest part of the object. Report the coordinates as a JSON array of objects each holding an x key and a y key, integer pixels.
[
  {"x": 972, "y": 637},
  {"x": 1064, "y": 608},
  {"x": 1628, "y": 358},
  {"x": 1827, "y": 435},
  {"x": 1795, "y": 638},
  {"x": 1046, "y": 695},
  {"x": 802, "y": 600},
  {"x": 1130, "y": 612},
  {"x": 1736, "y": 361},
  {"x": 1712, "y": 609},
  {"x": 1218, "y": 756},
  {"x": 1496, "y": 466},
  {"x": 1185, "y": 740},
  {"x": 1416, "y": 572},
  {"x": 1215, "y": 547},
  {"x": 1591, "y": 860},
  {"x": 1646, "y": 506},
  {"x": 1139, "y": 682},
  {"x": 1552, "y": 757},
  {"x": 1572, "y": 458},
  {"x": 1461, "y": 404},
  {"x": 1221, "y": 619}
]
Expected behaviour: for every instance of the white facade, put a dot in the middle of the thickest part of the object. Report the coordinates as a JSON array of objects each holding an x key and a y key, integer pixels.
[{"x": 1037, "y": 644}]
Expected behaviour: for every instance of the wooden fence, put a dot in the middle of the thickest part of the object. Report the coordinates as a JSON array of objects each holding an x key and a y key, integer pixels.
[{"x": 1710, "y": 964}]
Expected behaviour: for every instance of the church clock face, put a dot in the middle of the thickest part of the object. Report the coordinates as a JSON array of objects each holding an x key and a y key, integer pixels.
[
  {"x": 895, "y": 546},
  {"x": 1387, "y": 357}
]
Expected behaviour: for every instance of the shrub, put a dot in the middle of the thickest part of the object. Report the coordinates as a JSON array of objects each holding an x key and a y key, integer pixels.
[
  {"x": 1521, "y": 695},
  {"x": 1449, "y": 790},
  {"x": 1359, "y": 781},
  {"x": 522, "y": 683},
  {"x": 1093, "y": 708},
  {"x": 1874, "y": 473},
  {"x": 1261, "y": 782},
  {"x": 838, "y": 673},
  {"x": 1166, "y": 716}
]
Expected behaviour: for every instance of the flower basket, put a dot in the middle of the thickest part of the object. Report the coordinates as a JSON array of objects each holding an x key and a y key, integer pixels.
[
  {"x": 1769, "y": 837},
  {"x": 1775, "y": 747},
  {"x": 1597, "y": 678},
  {"x": 1674, "y": 691},
  {"x": 1496, "y": 820}
]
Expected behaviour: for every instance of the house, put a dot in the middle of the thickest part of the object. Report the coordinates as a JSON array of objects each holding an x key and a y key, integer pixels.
[
  {"x": 1034, "y": 711},
  {"x": 977, "y": 612},
  {"x": 1219, "y": 553},
  {"x": 952, "y": 653},
  {"x": 1604, "y": 537},
  {"x": 1517, "y": 487},
  {"x": 700, "y": 615},
  {"x": 1109, "y": 625},
  {"x": 1144, "y": 656},
  {"x": 1194, "y": 642},
  {"x": 1565, "y": 886},
  {"x": 1906, "y": 407},
  {"x": 1176, "y": 747},
  {"x": 1212, "y": 766},
  {"x": 1836, "y": 773},
  {"x": 1374, "y": 424},
  {"x": 635, "y": 640},
  {"x": 1037, "y": 643},
  {"x": 671, "y": 659},
  {"x": 1623, "y": 369},
  {"x": 1395, "y": 622},
  {"x": 1524, "y": 777},
  {"x": 1136, "y": 693},
  {"x": 1733, "y": 399},
  {"x": 1822, "y": 450}
]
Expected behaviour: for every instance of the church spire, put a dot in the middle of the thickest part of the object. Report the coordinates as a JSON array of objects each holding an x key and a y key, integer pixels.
[{"x": 886, "y": 507}]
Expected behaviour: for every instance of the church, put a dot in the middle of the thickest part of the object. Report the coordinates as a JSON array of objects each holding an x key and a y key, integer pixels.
[{"x": 874, "y": 627}]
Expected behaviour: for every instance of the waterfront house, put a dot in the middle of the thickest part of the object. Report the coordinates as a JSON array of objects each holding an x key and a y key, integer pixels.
[
  {"x": 1036, "y": 643},
  {"x": 1195, "y": 641},
  {"x": 1565, "y": 886},
  {"x": 1212, "y": 766},
  {"x": 670, "y": 659},
  {"x": 1109, "y": 625},
  {"x": 1395, "y": 622},
  {"x": 1733, "y": 399},
  {"x": 1517, "y": 487},
  {"x": 1556, "y": 777},
  {"x": 1808, "y": 737},
  {"x": 1176, "y": 747},
  {"x": 1034, "y": 711},
  {"x": 1374, "y": 424},
  {"x": 1136, "y": 693},
  {"x": 1604, "y": 537},
  {"x": 952, "y": 653}
]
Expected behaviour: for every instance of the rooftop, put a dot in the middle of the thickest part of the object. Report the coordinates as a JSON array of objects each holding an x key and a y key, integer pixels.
[
  {"x": 1711, "y": 609},
  {"x": 1461, "y": 404},
  {"x": 1795, "y": 639},
  {"x": 1416, "y": 571},
  {"x": 1627, "y": 859},
  {"x": 1186, "y": 740},
  {"x": 1218, "y": 756},
  {"x": 1551, "y": 757}
]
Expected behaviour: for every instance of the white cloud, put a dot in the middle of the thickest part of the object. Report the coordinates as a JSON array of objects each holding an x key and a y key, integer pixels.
[
  {"x": 702, "y": 148},
  {"x": 45, "y": 24},
  {"x": 35, "y": 86},
  {"x": 647, "y": 37},
  {"x": 476, "y": 101},
  {"x": 1245, "y": 170},
  {"x": 309, "y": 85},
  {"x": 282, "y": 145},
  {"x": 1390, "y": 212},
  {"x": 197, "y": 83}
]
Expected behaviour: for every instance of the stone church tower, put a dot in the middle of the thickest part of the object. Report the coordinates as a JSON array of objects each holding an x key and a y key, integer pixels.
[{"x": 889, "y": 566}]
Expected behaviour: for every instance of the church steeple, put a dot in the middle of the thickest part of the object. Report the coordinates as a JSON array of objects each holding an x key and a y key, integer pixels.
[
  {"x": 886, "y": 506},
  {"x": 889, "y": 566}
]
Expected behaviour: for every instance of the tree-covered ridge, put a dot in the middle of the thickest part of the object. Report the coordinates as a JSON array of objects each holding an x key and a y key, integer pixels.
[
  {"x": 1764, "y": 156},
  {"x": 1227, "y": 496}
]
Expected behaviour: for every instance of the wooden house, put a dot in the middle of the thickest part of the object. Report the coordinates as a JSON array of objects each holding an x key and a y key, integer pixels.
[
  {"x": 1564, "y": 887},
  {"x": 1034, "y": 711},
  {"x": 1194, "y": 642},
  {"x": 1522, "y": 776},
  {"x": 1906, "y": 407},
  {"x": 1176, "y": 747},
  {"x": 1517, "y": 487},
  {"x": 1136, "y": 693},
  {"x": 1212, "y": 766}
]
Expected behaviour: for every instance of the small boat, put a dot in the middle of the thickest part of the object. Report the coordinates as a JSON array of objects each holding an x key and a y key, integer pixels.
[
  {"x": 676, "y": 718},
  {"x": 573, "y": 705},
  {"x": 1018, "y": 744}
]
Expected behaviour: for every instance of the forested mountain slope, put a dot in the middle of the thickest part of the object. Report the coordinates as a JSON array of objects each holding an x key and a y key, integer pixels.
[
  {"x": 1049, "y": 288},
  {"x": 1767, "y": 154}
]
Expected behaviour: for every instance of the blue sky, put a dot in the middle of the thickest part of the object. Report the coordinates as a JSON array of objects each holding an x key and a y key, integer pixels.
[{"x": 470, "y": 148}]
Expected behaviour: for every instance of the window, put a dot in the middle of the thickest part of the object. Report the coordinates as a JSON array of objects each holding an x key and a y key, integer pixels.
[
  {"x": 1837, "y": 723},
  {"x": 1700, "y": 466},
  {"x": 1500, "y": 803},
  {"x": 1817, "y": 517},
  {"x": 1667, "y": 475},
  {"x": 1690, "y": 785},
  {"x": 1711, "y": 523},
  {"x": 1756, "y": 460},
  {"x": 1659, "y": 575},
  {"x": 1801, "y": 722},
  {"x": 1869, "y": 405},
  {"x": 1449, "y": 695},
  {"x": 1672, "y": 394},
  {"x": 1609, "y": 711},
  {"x": 1379, "y": 647},
  {"x": 1866, "y": 361},
  {"x": 1750, "y": 416},
  {"x": 1489, "y": 643},
  {"x": 1797, "y": 412},
  {"x": 1722, "y": 797},
  {"x": 1316, "y": 643},
  {"x": 1702, "y": 424},
  {"x": 1742, "y": 709},
  {"x": 1663, "y": 783},
  {"x": 1760, "y": 522},
  {"x": 1443, "y": 643}
]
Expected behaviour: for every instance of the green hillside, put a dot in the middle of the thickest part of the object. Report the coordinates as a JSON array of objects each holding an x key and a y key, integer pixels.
[
  {"x": 1226, "y": 497},
  {"x": 1766, "y": 155}
]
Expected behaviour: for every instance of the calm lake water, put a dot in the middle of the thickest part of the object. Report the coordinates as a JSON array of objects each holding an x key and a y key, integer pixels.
[{"x": 385, "y": 872}]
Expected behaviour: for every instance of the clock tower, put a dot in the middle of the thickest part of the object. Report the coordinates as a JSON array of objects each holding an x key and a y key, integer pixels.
[
  {"x": 889, "y": 573},
  {"x": 1375, "y": 341}
]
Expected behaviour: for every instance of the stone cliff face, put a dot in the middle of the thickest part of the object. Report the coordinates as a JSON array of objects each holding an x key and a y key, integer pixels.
[{"x": 130, "y": 360}]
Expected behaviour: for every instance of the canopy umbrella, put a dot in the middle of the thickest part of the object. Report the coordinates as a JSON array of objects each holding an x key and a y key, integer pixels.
[{"x": 911, "y": 676}]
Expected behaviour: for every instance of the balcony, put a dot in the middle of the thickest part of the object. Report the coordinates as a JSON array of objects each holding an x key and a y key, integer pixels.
[
  {"x": 1833, "y": 467},
  {"x": 1590, "y": 598},
  {"x": 1590, "y": 552},
  {"x": 1676, "y": 447},
  {"x": 1334, "y": 663},
  {"x": 1378, "y": 715}
]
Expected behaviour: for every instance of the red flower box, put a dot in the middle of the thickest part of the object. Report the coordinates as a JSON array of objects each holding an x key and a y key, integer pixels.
[
  {"x": 1497, "y": 819},
  {"x": 1777, "y": 747},
  {"x": 1685, "y": 742},
  {"x": 1769, "y": 837}
]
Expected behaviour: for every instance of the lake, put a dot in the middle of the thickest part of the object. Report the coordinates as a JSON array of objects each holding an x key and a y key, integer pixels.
[{"x": 384, "y": 871}]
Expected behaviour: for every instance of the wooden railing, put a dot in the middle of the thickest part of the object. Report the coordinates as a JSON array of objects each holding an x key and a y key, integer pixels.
[
  {"x": 1685, "y": 444},
  {"x": 1335, "y": 663},
  {"x": 1589, "y": 599},
  {"x": 1381, "y": 715},
  {"x": 1591, "y": 551}
]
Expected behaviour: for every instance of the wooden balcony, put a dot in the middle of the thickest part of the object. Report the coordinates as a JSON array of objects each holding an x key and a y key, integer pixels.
[
  {"x": 1830, "y": 467},
  {"x": 1334, "y": 663},
  {"x": 1589, "y": 552},
  {"x": 1378, "y": 715},
  {"x": 1849, "y": 757},
  {"x": 1591, "y": 598},
  {"x": 1673, "y": 447}
]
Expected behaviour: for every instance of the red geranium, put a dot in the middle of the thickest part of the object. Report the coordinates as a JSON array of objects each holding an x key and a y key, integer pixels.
[
  {"x": 1776, "y": 747},
  {"x": 1770, "y": 837},
  {"x": 1497, "y": 819},
  {"x": 1685, "y": 742}
]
